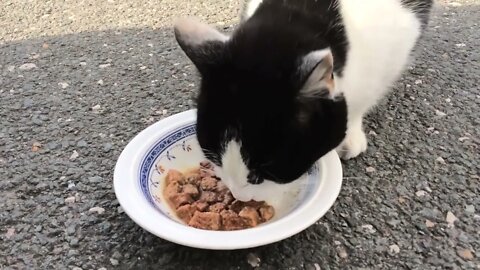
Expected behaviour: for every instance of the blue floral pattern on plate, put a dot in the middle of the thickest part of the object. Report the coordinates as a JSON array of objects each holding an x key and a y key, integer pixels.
[{"x": 162, "y": 149}]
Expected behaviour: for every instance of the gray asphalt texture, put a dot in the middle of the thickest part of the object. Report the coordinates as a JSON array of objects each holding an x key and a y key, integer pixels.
[{"x": 79, "y": 79}]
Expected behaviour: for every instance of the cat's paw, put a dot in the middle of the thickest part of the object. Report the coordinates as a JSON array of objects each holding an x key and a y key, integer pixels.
[{"x": 353, "y": 145}]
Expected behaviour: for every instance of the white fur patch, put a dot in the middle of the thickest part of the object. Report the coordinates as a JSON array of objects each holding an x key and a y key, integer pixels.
[
  {"x": 381, "y": 35},
  {"x": 234, "y": 174},
  {"x": 234, "y": 171},
  {"x": 252, "y": 6}
]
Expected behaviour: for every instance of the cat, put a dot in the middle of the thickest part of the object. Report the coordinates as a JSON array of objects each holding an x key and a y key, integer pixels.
[{"x": 294, "y": 81}]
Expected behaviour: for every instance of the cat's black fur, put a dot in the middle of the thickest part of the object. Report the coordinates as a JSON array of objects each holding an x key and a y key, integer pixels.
[
  {"x": 250, "y": 91},
  {"x": 316, "y": 24}
]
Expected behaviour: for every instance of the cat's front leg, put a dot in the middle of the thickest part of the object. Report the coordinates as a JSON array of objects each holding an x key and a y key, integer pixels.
[{"x": 355, "y": 141}]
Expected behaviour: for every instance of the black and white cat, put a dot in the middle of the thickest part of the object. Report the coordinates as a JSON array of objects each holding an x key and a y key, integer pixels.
[{"x": 294, "y": 81}]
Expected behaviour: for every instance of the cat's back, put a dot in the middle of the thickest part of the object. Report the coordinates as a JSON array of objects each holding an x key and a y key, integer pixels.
[
  {"x": 381, "y": 27},
  {"x": 370, "y": 10},
  {"x": 367, "y": 22},
  {"x": 381, "y": 35},
  {"x": 369, "y": 38}
]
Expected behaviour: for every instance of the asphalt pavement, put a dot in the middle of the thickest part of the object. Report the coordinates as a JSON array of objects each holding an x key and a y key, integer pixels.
[{"x": 79, "y": 79}]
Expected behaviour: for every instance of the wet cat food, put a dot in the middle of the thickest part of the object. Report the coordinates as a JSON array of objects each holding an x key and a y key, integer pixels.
[{"x": 201, "y": 200}]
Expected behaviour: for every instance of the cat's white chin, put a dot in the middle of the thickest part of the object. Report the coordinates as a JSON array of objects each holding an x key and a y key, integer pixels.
[
  {"x": 244, "y": 191},
  {"x": 280, "y": 196},
  {"x": 234, "y": 174}
]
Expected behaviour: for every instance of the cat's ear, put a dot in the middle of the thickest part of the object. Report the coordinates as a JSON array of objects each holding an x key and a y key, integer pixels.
[
  {"x": 202, "y": 43},
  {"x": 316, "y": 69}
]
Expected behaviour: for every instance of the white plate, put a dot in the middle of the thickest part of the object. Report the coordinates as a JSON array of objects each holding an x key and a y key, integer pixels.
[{"x": 171, "y": 143}]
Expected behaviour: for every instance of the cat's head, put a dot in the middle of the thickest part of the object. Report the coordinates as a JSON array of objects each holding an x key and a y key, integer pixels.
[{"x": 266, "y": 106}]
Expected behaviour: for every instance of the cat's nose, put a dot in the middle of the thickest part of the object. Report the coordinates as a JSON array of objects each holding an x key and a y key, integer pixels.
[{"x": 253, "y": 178}]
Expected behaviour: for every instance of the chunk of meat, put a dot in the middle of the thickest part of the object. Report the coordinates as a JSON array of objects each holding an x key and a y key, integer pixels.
[
  {"x": 174, "y": 176},
  {"x": 172, "y": 189},
  {"x": 206, "y": 173},
  {"x": 201, "y": 206},
  {"x": 208, "y": 183},
  {"x": 221, "y": 187},
  {"x": 255, "y": 204},
  {"x": 266, "y": 212},
  {"x": 193, "y": 178},
  {"x": 205, "y": 220},
  {"x": 237, "y": 205},
  {"x": 217, "y": 208},
  {"x": 208, "y": 196},
  {"x": 232, "y": 221},
  {"x": 190, "y": 189},
  {"x": 228, "y": 198},
  {"x": 206, "y": 164},
  {"x": 180, "y": 199},
  {"x": 251, "y": 215},
  {"x": 202, "y": 200},
  {"x": 185, "y": 212}
]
